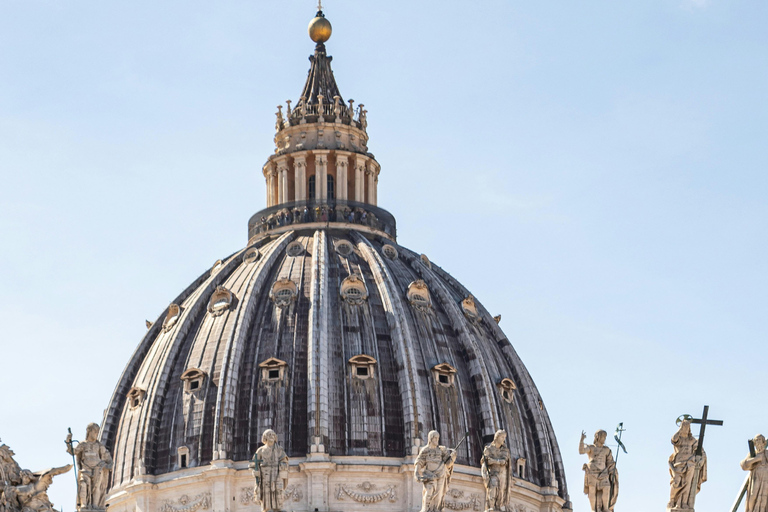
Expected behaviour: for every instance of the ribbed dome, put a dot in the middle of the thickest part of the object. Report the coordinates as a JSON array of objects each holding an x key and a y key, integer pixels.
[{"x": 267, "y": 340}]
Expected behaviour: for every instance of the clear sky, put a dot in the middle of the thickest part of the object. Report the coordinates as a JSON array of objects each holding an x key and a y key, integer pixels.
[{"x": 594, "y": 171}]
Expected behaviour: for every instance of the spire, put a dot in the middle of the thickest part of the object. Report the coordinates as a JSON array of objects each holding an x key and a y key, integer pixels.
[{"x": 320, "y": 80}]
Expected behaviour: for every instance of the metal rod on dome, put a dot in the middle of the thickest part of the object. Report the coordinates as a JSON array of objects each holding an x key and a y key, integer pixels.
[{"x": 319, "y": 5}]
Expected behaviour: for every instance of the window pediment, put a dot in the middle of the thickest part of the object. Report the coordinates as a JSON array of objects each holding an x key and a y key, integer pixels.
[
  {"x": 363, "y": 366},
  {"x": 174, "y": 312},
  {"x": 444, "y": 374},
  {"x": 469, "y": 308},
  {"x": 221, "y": 300},
  {"x": 507, "y": 388},
  {"x": 273, "y": 369},
  {"x": 193, "y": 379},
  {"x": 418, "y": 295},
  {"x": 135, "y": 397},
  {"x": 283, "y": 292},
  {"x": 353, "y": 290}
]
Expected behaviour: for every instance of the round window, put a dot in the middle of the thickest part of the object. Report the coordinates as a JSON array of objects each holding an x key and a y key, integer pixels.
[
  {"x": 294, "y": 249},
  {"x": 389, "y": 251}
]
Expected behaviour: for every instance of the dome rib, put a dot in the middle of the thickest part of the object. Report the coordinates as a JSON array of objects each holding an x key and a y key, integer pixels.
[
  {"x": 478, "y": 364},
  {"x": 317, "y": 351},
  {"x": 393, "y": 306},
  {"x": 225, "y": 410}
]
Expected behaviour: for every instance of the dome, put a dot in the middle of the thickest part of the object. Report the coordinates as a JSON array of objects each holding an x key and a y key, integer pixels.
[{"x": 324, "y": 329}]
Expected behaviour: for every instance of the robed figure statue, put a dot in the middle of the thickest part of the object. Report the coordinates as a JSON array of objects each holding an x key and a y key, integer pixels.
[
  {"x": 496, "y": 469},
  {"x": 93, "y": 464},
  {"x": 688, "y": 470},
  {"x": 601, "y": 480},
  {"x": 757, "y": 487},
  {"x": 270, "y": 469},
  {"x": 433, "y": 469}
]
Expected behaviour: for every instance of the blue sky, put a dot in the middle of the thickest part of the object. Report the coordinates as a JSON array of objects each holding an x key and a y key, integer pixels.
[{"x": 593, "y": 171}]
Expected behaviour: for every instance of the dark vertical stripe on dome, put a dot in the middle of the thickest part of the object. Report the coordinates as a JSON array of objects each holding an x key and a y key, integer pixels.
[{"x": 407, "y": 378}]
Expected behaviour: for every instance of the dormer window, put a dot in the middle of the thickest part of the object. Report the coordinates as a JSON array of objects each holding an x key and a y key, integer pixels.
[
  {"x": 221, "y": 300},
  {"x": 426, "y": 261},
  {"x": 251, "y": 255},
  {"x": 389, "y": 251},
  {"x": 135, "y": 397},
  {"x": 507, "y": 388},
  {"x": 273, "y": 370},
  {"x": 469, "y": 308},
  {"x": 182, "y": 455},
  {"x": 294, "y": 248},
  {"x": 193, "y": 379},
  {"x": 217, "y": 266},
  {"x": 520, "y": 467},
  {"x": 362, "y": 366},
  {"x": 174, "y": 312},
  {"x": 444, "y": 374},
  {"x": 343, "y": 247},
  {"x": 353, "y": 290},
  {"x": 418, "y": 295},
  {"x": 283, "y": 293}
]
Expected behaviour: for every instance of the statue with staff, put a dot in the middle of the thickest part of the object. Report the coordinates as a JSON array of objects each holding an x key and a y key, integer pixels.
[
  {"x": 755, "y": 486},
  {"x": 601, "y": 479},
  {"x": 688, "y": 462},
  {"x": 94, "y": 463},
  {"x": 433, "y": 469}
]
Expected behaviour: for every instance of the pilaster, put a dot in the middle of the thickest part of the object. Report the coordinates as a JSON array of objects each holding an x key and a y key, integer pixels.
[
  {"x": 321, "y": 174},
  {"x": 341, "y": 176},
  {"x": 269, "y": 171},
  {"x": 300, "y": 177},
  {"x": 282, "y": 179},
  {"x": 360, "y": 162}
]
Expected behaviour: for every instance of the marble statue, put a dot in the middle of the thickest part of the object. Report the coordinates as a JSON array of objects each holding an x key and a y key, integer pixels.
[
  {"x": 433, "y": 469},
  {"x": 601, "y": 479},
  {"x": 270, "y": 469},
  {"x": 93, "y": 464},
  {"x": 496, "y": 468},
  {"x": 688, "y": 470},
  {"x": 757, "y": 488},
  {"x": 22, "y": 490}
]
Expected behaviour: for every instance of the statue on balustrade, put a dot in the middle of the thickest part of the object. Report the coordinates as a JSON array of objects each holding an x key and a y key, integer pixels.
[
  {"x": 433, "y": 469},
  {"x": 497, "y": 473},
  {"x": 93, "y": 464},
  {"x": 22, "y": 490},
  {"x": 601, "y": 480},
  {"x": 688, "y": 470},
  {"x": 270, "y": 469},
  {"x": 757, "y": 487}
]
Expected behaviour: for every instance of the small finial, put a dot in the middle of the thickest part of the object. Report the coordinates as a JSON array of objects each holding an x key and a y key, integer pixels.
[{"x": 319, "y": 5}]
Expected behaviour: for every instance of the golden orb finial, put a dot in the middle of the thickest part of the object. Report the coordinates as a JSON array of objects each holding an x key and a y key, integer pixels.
[{"x": 319, "y": 28}]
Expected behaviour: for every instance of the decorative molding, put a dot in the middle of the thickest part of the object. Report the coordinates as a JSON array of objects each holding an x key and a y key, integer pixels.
[
  {"x": 292, "y": 493},
  {"x": 469, "y": 308},
  {"x": 174, "y": 312},
  {"x": 187, "y": 504},
  {"x": 365, "y": 495},
  {"x": 353, "y": 290},
  {"x": 460, "y": 502}
]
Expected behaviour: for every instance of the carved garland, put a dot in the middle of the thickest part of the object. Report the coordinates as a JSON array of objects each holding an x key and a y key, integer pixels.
[
  {"x": 342, "y": 491},
  {"x": 473, "y": 503},
  {"x": 187, "y": 504},
  {"x": 291, "y": 493}
]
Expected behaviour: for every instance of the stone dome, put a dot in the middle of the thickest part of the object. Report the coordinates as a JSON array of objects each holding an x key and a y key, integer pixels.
[{"x": 348, "y": 345}]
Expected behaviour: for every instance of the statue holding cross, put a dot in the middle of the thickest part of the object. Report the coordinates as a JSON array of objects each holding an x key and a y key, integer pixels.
[{"x": 688, "y": 463}]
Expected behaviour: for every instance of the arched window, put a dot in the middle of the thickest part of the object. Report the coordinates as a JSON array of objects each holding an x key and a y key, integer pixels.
[
  {"x": 331, "y": 189},
  {"x": 311, "y": 187}
]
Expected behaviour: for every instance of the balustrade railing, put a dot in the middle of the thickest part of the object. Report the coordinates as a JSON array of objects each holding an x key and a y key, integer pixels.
[
  {"x": 329, "y": 111},
  {"x": 328, "y": 212}
]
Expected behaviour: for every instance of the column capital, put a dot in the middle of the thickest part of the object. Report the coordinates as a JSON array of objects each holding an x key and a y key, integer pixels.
[
  {"x": 281, "y": 162},
  {"x": 268, "y": 168}
]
